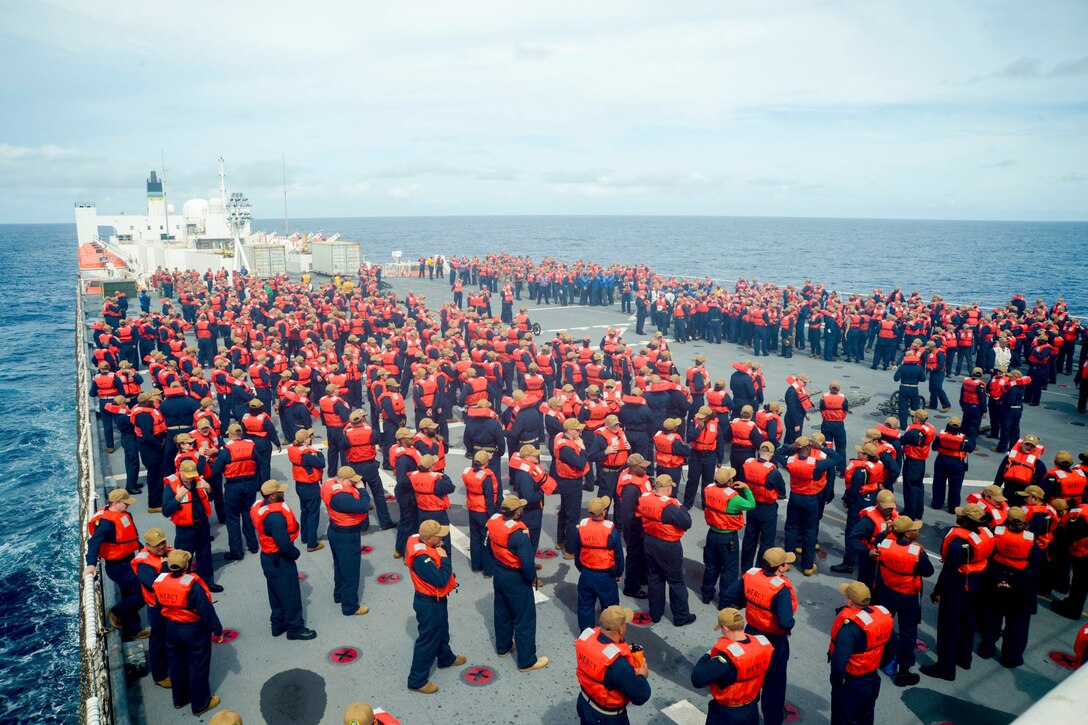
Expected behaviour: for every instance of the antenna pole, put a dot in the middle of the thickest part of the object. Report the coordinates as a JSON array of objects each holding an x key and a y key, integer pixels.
[
  {"x": 286, "y": 226},
  {"x": 165, "y": 203}
]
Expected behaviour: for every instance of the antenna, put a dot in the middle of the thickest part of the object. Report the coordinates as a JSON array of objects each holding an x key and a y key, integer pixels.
[
  {"x": 286, "y": 227},
  {"x": 222, "y": 184},
  {"x": 165, "y": 203}
]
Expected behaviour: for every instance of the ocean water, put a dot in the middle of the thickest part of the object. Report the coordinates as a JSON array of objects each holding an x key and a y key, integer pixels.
[
  {"x": 965, "y": 261},
  {"x": 39, "y": 543}
]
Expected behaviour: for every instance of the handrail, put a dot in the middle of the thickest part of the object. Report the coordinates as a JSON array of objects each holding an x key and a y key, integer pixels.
[{"x": 94, "y": 668}]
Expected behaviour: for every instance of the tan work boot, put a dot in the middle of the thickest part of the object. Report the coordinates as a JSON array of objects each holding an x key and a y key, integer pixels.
[
  {"x": 212, "y": 704},
  {"x": 541, "y": 663},
  {"x": 164, "y": 683},
  {"x": 457, "y": 661},
  {"x": 809, "y": 572},
  {"x": 429, "y": 689},
  {"x": 319, "y": 547}
]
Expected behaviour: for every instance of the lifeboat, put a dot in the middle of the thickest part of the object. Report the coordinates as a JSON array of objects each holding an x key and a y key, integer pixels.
[{"x": 93, "y": 255}]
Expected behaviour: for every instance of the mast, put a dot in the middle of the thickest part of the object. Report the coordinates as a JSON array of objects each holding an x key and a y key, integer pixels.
[
  {"x": 165, "y": 203},
  {"x": 286, "y": 226},
  {"x": 222, "y": 184}
]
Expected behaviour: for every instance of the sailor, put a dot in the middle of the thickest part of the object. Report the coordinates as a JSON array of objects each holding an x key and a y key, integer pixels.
[
  {"x": 1012, "y": 408},
  {"x": 484, "y": 432},
  {"x": 872, "y": 525},
  {"x": 187, "y": 503},
  {"x": 599, "y": 558},
  {"x": 973, "y": 403},
  {"x": 570, "y": 466},
  {"x": 834, "y": 407},
  {"x": 864, "y": 475},
  {"x": 966, "y": 553},
  {"x": 147, "y": 565},
  {"x": 809, "y": 470},
  {"x": 611, "y": 673},
  {"x": 530, "y": 481},
  {"x": 1022, "y": 467},
  {"x": 237, "y": 461},
  {"x": 261, "y": 430},
  {"x": 307, "y": 463},
  {"x": 113, "y": 538},
  {"x": 360, "y": 451},
  {"x": 916, "y": 440},
  {"x": 277, "y": 530},
  {"x": 761, "y": 523},
  {"x": 1009, "y": 591},
  {"x": 347, "y": 504},
  {"x": 798, "y": 404},
  {"x": 177, "y": 409},
  {"x": 118, "y": 409},
  {"x": 950, "y": 465},
  {"x": 744, "y": 438},
  {"x": 482, "y": 502},
  {"x": 858, "y": 639},
  {"x": 725, "y": 502},
  {"x": 910, "y": 374},
  {"x": 902, "y": 563},
  {"x": 670, "y": 449},
  {"x": 185, "y": 602},
  {"x": 734, "y": 669},
  {"x": 403, "y": 459},
  {"x": 935, "y": 363},
  {"x": 150, "y": 428},
  {"x": 1073, "y": 538},
  {"x": 767, "y": 595},
  {"x": 514, "y": 582},
  {"x": 432, "y": 576},
  {"x": 432, "y": 491},
  {"x": 704, "y": 436},
  {"x": 664, "y": 522},
  {"x": 334, "y": 414},
  {"x": 609, "y": 449},
  {"x": 105, "y": 386}
]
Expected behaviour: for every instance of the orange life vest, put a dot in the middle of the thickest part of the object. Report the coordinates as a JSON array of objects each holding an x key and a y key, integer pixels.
[
  {"x": 1021, "y": 467},
  {"x": 759, "y": 592},
  {"x": 897, "y": 564},
  {"x": 742, "y": 432},
  {"x": 360, "y": 443},
  {"x": 623, "y": 447},
  {"x": 243, "y": 461},
  {"x": 650, "y": 509},
  {"x": 663, "y": 450},
  {"x": 260, "y": 511},
  {"x": 950, "y": 444},
  {"x": 172, "y": 595},
  {"x": 920, "y": 452},
  {"x": 595, "y": 553},
  {"x": 707, "y": 438},
  {"x": 1013, "y": 549},
  {"x": 499, "y": 531},
  {"x": 475, "y": 496},
  {"x": 980, "y": 542},
  {"x": 423, "y": 483},
  {"x": 751, "y": 658},
  {"x": 159, "y": 422},
  {"x": 146, "y": 557},
  {"x": 184, "y": 515},
  {"x": 299, "y": 472},
  {"x": 562, "y": 469},
  {"x": 328, "y": 411},
  {"x": 877, "y": 624},
  {"x": 803, "y": 479},
  {"x": 416, "y": 548},
  {"x": 254, "y": 424},
  {"x": 833, "y": 410},
  {"x": 755, "y": 475},
  {"x": 594, "y": 658},
  {"x": 641, "y": 483},
  {"x": 126, "y": 537},
  {"x": 717, "y": 503},
  {"x": 875, "y": 470}
]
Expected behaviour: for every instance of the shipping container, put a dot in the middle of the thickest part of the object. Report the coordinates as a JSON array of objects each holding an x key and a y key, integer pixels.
[
  {"x": 266, "y": 260},
  {"x": 333, "y": 258}
]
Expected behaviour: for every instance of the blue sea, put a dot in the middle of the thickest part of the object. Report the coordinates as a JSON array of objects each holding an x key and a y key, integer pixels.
[{"x": 964, "y": 261}]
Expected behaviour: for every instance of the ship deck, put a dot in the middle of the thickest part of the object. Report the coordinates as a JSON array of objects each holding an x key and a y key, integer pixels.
[{"x": 276, "y": 681}]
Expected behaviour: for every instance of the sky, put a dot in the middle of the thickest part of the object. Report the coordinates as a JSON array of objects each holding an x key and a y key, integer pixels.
[{"x": 924, "y": 109}]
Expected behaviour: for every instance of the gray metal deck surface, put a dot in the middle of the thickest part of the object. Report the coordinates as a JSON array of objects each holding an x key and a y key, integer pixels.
[{"x": 273, "y": 680}]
